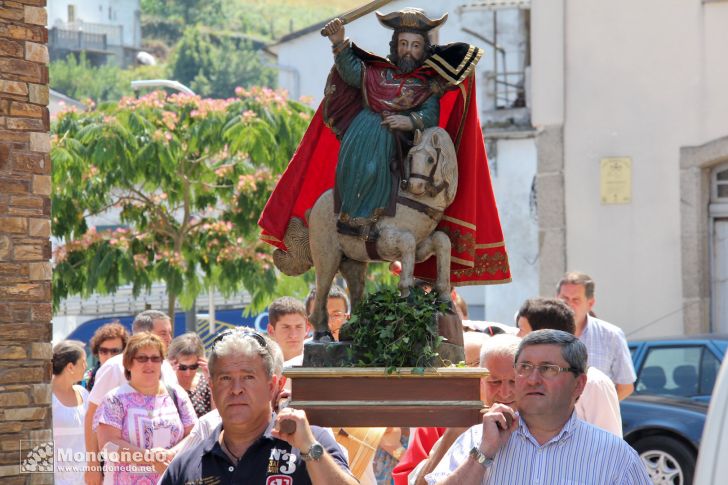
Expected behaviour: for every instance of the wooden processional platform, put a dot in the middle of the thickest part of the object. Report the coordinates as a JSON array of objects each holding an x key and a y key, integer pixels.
[{"x": 365, "y": 397}]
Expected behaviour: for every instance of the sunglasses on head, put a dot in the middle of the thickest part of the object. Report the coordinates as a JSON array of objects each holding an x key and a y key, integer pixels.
[
  {"x": 143, "y": 359},
  {"x": 108, "y": 351},
  {"x": 242, "y": 331},
  {"x": 183, "y": 367}
]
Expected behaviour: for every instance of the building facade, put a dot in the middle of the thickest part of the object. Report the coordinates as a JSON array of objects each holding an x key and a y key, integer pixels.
[
  {"x": 644, "y": 81},
  {"x": 609, "y": 154},
  {"x": 105, "y": 30}
]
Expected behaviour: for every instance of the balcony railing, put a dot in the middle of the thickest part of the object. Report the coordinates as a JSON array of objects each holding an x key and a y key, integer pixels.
[
  {"x": 77, "y": 40},
  {"x": 114, "y": 33}
]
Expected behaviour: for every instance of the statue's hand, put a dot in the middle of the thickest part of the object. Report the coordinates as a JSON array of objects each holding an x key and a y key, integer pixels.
[
  {"x": 334, "y": 30},
  {"x": 398, "y": 122}
]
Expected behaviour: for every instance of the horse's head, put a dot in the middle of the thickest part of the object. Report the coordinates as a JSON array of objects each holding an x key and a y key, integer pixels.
[{"x": 431, "y": 165}]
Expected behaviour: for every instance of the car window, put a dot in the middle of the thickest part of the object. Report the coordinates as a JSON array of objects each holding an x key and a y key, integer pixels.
[
  {"x": 709, "y": 366},
  {"x": 671, "y": 370}
]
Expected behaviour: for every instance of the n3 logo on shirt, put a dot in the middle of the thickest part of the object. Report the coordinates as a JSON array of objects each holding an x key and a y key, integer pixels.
[
  {"x": 279, "y": 480},
  {"x": 281, "y": 461}
]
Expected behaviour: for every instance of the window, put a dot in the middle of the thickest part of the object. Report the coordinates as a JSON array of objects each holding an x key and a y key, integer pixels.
[
  {"x": 671, "y": 370},
  {"x": 720, "y": 184},
  {"x": 709, "y": 366}
]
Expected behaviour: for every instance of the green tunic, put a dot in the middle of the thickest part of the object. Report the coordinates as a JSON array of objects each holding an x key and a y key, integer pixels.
[{"x": 363, "y": 178}]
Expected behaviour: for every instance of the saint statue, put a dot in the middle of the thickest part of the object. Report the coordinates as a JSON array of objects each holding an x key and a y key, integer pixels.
[{"x": 360, "y": 135}]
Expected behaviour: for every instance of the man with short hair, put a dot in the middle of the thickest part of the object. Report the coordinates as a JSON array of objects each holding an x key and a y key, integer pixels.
[
  {"x": 249, "y": 445},
  {"x": 337, "y": 306},
  {"x": 598, "y": 404},
  {"x": 288, "y": 325},
  {"x": 111, "y": 375},
  {"x": 606, "y": 343},
  {"x": 545, "y": 442}
]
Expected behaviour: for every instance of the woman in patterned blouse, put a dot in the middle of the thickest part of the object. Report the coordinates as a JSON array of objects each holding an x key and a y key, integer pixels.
[{"x": 187, "y": 356}]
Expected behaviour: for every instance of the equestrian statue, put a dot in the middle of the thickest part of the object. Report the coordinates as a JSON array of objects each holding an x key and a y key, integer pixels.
[{"x": 392, "y": 168}]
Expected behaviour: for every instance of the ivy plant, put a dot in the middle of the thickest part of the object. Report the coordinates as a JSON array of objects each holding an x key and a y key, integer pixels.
[{"x": 391, "y": 331}]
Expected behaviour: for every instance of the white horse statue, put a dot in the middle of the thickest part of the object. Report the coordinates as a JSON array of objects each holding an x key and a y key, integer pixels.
[{"x": 427, "y": 189}]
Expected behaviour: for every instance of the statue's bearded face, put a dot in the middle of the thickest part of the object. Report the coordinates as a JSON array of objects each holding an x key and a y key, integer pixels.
[{"x": 410, "y": 51}]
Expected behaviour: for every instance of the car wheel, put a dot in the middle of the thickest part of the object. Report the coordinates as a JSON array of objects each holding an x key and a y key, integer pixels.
[{"x": 667, "y": 460}]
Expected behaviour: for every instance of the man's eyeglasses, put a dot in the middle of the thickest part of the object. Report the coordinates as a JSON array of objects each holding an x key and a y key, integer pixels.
[
  {"x": 547, "y": 371},
  {"x": 183, "y": 367},
  {"x": 108, "y": 351},
  {"x": 242, "y": 331},
  {"x": 143, "y": 359},
  {"x": 337, "y": 315}
]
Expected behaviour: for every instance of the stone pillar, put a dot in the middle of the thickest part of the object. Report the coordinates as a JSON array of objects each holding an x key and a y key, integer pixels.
[
  {"x": 25, "y": 249},
  {"x": 551, "y": 208}
]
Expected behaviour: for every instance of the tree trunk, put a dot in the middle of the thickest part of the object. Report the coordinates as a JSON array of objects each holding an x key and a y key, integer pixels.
[{"x": 171, "y": 301}]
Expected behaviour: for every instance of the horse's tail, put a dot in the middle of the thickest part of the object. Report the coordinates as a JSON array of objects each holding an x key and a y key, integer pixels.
[{"x": 297, "y": 260}]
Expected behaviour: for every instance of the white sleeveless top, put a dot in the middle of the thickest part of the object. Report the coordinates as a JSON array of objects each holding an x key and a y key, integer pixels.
[{"x": 69, "y": 440}]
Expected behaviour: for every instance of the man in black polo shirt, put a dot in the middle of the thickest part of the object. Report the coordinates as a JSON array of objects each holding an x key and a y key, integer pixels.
[{"x": 247, "y": 448}]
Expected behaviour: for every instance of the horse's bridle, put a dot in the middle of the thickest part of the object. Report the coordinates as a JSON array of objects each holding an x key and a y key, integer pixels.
[{"x": 431, "y": 188}]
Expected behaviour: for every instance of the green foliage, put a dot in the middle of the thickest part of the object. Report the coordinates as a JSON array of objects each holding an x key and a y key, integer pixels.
[
  {"x": 262, "y": 19},
  {"x": 391, "y": 331},
  {"x": 188, "y": 11},
  {"x": 216, "y": 69},
  {"x": 78, "y": 79},
  {"x": 187, "y": 177}
]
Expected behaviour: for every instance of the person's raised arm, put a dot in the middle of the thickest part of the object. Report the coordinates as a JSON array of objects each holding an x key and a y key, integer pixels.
[
  {"x": 322, "y": 471},
  {"x": 496, "y": 432}
]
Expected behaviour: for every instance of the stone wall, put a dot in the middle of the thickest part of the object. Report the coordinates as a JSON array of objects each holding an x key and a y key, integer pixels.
[{"x": 25, "y": 250}]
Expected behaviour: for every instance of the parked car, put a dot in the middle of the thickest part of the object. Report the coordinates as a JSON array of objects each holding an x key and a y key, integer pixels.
[
  {"x": 663, "y": 420},
  {"x": 712, "y": 464}
]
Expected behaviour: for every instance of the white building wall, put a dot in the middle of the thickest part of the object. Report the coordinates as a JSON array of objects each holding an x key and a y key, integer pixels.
[
  {"x": 513, "y": 167},
  {"x": 642, "y": 79},
  {"x": 106, "y": 12}
]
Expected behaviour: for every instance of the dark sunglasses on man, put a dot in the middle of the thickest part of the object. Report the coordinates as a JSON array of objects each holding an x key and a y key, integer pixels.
[{"x": 183, "y": 367}]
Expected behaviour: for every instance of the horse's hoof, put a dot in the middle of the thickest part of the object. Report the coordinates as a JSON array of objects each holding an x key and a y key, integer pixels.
[{"x": 324, "y": 337}]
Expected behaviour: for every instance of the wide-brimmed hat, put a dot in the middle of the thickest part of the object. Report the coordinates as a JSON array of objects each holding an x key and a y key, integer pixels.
[{"x": 410, "y": 19}]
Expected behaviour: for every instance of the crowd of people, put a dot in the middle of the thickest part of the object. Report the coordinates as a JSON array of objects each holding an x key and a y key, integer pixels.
[{"x": 162, "y": 410}]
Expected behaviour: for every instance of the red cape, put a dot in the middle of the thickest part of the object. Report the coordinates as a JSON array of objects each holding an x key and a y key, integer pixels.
[{"x": 472, "y": 222}]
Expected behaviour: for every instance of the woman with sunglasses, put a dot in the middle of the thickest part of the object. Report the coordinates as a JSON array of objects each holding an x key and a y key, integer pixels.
[
  {"x": 187, "y": 356},
  {"x": 108, "y": 340},
  {"x": 140, "y": 421}
]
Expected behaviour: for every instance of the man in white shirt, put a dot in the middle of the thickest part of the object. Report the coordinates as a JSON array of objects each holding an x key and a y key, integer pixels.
[
  {"x": 545, "y": 442},
  {"x": 606, "y": 343},
  {"x": 288, "y": 325},
  {"x": 598, "y": 404},
  {"x": 111, "y": 375}
]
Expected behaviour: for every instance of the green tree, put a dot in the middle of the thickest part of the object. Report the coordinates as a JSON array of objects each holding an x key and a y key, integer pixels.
[
  {"x": 209, "y": 12},
  {"x": 215, "y": 69},
  {"x": 187, "y": 176},
  {"x": 80, "y": 80}
]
